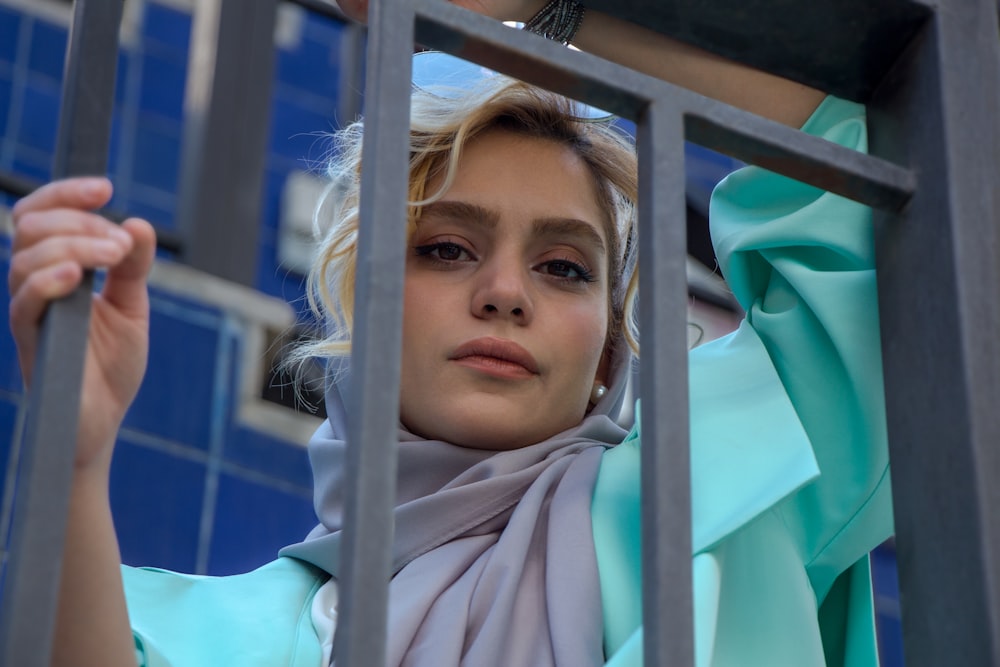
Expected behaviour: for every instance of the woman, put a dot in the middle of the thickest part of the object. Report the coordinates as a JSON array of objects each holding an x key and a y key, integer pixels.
[{"x": 516, "y": 540}]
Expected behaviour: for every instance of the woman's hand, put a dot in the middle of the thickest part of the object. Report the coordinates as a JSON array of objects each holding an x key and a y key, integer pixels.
[
  {"x": 503, "y": 10},
  {"x": 56, "y": 238}
]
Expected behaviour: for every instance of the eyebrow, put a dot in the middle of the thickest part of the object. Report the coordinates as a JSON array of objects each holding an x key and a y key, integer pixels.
[{"x": 469, "y": 213}]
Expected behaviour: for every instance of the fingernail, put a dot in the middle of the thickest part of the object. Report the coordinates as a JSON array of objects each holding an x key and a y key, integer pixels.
[
  {"x": 92, "y": 186},
  {"x": 120, "y": 234}
]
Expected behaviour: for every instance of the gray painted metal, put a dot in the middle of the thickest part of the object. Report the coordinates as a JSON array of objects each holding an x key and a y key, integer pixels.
[
  {"x": 667, "y": 605},
  {"x": 31, "y": 582},
  {"x": 352, "y": 74},
  {"x": 227, "y": 109},
  {"x": 374, "y": 395},
  {"x": 939, "y": 285},
  {"x": 661, "y": 111},
  {"x": 623, "y": 91}
]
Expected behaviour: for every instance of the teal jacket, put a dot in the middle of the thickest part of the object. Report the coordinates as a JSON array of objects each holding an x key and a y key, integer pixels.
[{"x": 789, "y": 468}]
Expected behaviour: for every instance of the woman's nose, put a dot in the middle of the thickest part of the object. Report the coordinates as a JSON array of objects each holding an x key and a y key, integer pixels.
[{"x": 503, "y": 292}]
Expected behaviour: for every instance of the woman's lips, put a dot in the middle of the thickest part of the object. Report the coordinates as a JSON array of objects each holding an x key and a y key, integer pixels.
[{"x": 497, "y": 357}]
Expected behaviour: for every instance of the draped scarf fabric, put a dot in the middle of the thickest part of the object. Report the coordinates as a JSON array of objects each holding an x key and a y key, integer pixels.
[{"x": 493, "y": 554}]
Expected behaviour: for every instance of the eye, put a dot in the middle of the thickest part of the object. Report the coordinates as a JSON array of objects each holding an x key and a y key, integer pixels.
[
  {"x": 567, "y": 270},
  {"x": 444, "y": 252}
]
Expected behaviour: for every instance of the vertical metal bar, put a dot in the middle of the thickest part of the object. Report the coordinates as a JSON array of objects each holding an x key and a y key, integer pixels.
[
  {"x": 939, "y": 289},
  {"x": 668, "y": 629},
  {"x": 31, "y": 586},
  {"x": 352, "y": 72},
  {"x": 227, "y": 109},
  {"x": 377, "y": 340}
]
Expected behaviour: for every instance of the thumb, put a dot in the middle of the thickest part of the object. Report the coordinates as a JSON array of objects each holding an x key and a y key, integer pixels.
[{"x": 125, "y": 285}]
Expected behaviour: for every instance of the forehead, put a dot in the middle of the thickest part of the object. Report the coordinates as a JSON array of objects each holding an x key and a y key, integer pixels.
[{"x": 525, "y": 177}]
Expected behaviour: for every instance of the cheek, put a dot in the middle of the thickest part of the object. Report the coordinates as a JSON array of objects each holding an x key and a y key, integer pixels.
[{"x": 589, "y": 333}]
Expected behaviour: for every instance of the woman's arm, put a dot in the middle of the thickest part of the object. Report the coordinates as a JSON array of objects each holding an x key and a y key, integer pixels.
[
  {"x": 657, "y": 55},
  {"x": 741, "y": 86},
  {"x": 56, "y": 239}
]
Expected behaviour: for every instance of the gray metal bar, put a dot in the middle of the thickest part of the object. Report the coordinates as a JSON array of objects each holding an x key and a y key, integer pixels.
[
  {"x": 31, "y": 581},
  {"x": 871, "y": 181},
  {"x": 377, "y": 339},
  {"x": 626, "y": 92},
  {"x": 352, "y": 73},
  {"x": 668, "y": 627},
  {"x": 227, "y": 109},
  {"x": 939, "y": 278}
]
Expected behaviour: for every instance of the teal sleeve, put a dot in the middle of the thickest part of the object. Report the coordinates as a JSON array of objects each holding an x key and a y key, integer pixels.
[
  {"x": 260, "y": 619},
  {"x": 787, "y": 419},
  {"x": 801, "y": 262}
]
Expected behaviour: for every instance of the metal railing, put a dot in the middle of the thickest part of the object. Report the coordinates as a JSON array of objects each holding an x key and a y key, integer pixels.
[
  {"x": 932, "y": 85},
  {"x": 31, "y": 577}
]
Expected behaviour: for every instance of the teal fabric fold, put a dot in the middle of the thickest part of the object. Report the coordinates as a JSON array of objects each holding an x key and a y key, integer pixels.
[
  {"x": 789, "y": 468},
  {"x": 260, "y": 618}
]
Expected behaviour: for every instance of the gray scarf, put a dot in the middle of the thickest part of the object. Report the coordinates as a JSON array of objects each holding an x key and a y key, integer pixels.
[{"x": 493, "y": 557}]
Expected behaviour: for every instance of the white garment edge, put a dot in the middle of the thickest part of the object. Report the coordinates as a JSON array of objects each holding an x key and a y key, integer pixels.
[{"x": 324, "y": 618}]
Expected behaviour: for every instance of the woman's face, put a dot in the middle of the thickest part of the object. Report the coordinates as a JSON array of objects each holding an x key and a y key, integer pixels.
[{"x": 506, "y": 301}]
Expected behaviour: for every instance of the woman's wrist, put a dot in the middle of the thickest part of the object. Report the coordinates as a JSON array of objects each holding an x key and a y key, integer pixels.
[{"x": 558, "y": 20}]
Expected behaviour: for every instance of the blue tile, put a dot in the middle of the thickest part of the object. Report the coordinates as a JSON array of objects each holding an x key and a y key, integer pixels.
[
  {"x": 47, "y": 54},
  {"x": 294, "y": 130},
  {"x": 175, "y": 401},
  {"x": 33, "y": 164},
  {"x": 162, "y": 88},
  {"x": 156, "y": 157},
  {"x": 252, "y": 522},
  {"x": 10, "y": 27},
  {"x": 887, "y": 614},
  {"x": 274, "y": 186},
  {"x": 167, "y": 26},
  {"x": 323, "y": 29},
  {"x": 276, "y": 281},
  {"x": 161, "y": 214},
  {"x": 157, "y": 503},
  {"x": 114, "y": 143},
  {"x": 279, "y": 460},
  {"x": 125, "y": 64},
  {"x": 6, "y": 89},
  {"x": 313, "y": 66},
  {"x": 40, "y": 116}
]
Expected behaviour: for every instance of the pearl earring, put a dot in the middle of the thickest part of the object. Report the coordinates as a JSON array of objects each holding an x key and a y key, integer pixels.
[{"x": 598, "y": 392}]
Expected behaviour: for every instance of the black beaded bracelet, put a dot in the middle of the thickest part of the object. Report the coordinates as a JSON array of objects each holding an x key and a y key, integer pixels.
[{"x": 558, "y": 20}]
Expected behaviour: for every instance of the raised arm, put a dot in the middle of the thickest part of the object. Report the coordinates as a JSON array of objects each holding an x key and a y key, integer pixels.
[
  {"x": 56, "y": 238},
  {"x": 652, "y": 53}
]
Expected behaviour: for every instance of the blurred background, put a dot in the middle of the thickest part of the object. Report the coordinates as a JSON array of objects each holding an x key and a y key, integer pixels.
[{"x": 221, "y": 144}]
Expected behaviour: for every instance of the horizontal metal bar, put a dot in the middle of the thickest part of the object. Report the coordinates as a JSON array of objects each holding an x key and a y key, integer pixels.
[
  {"x": 869, "y": 180},
  {"x": 17, "y": 185},
  {"x": 624, "y": 91}
]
